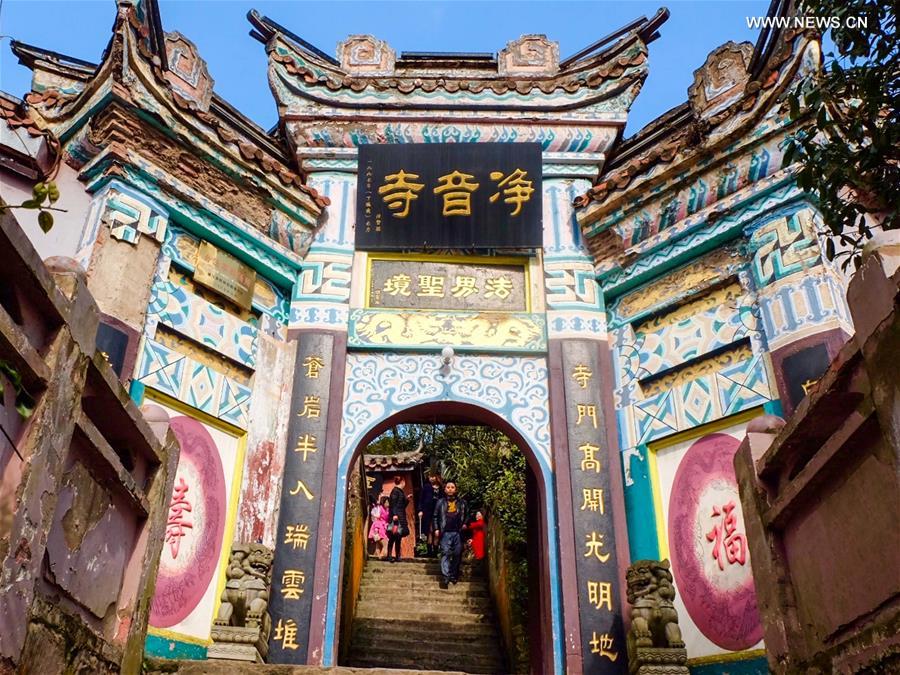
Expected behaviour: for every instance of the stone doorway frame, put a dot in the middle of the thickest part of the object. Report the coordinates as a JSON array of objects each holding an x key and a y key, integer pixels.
[{"x": 508, "y": 393}]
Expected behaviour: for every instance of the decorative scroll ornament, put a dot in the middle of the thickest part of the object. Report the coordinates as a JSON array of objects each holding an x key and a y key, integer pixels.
[
  {"x": 366, "y": 55},
  {"x": 187, "y": 73},
  {"x": 529, "y": 55},
  {"x": 721, "y": 80}
]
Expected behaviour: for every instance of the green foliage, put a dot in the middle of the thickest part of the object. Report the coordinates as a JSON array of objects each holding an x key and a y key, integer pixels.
[
  {"x": 24, "y": 401},
  {"x": 43, "y": 196},
  {"x": 848, "y": 141},
  {"x": 488, "y": 468}
]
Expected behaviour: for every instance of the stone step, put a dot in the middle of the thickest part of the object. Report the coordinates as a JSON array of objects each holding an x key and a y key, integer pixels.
[
  {"x": 367, "y": 667},
  {"x": 405, "y": 620},
  {"x": 413, "y": 564},
  {"x": 381, "y": 577},
  {"x": 435, "y": 613},
  {"x": 420, "y": 632},
  {"x": 221, "y": 667},
  {"x": 411, "y": 592},
  {"x": 436, "y": 600},
  {"x": 484, "y": 646},
  {"x": 412, "y": 655},
  {"x": 401, "y": 571}
]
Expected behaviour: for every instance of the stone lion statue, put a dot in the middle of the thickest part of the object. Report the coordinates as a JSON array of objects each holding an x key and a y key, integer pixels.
[
  {"x": 654, "y": 621},
  {"x": 246, "y": 594}
]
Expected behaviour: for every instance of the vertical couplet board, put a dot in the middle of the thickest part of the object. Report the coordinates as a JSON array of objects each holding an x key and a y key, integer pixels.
[
  {"x": 596, "y": 566},
  {"x": 293, "y": 571}
]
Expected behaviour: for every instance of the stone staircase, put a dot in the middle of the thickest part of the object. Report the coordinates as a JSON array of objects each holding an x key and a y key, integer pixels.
[{"x": 405, "y": 620}]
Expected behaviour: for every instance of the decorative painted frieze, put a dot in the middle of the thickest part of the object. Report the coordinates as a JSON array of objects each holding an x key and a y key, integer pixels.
[
  {"x": 187, "y": 73},
  {"x": 270, "y": 301},
  {"x": 720, "y": 81},
  {"x": 721, "y": 318},
  {"x": 726, "y": 391},
  {"x": 803, "y": 305},
  {"x": 515, "y": 388},
  {"x": 571, "y": 284},
  {"x": 699, "y": 233},
  {"x": 324, "y": 276},
  {"x": 193, "y": 383},
  {"x": 127, "y": 212},
  {"x": 202, "y": 321},
  {"x": 432, "y": 329},
  {"x": 366, "y": 55},
  {"x": 784, "y": 246}
]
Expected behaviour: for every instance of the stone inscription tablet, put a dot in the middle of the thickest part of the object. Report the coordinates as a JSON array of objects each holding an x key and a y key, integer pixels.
[{"x": 419, "y": 284}]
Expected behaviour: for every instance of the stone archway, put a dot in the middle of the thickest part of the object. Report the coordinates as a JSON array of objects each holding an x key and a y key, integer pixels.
[{"x": 506, "y": 392}]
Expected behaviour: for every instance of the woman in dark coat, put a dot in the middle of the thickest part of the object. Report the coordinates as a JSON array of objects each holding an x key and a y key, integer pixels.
[{"x": 398, "y": 526}]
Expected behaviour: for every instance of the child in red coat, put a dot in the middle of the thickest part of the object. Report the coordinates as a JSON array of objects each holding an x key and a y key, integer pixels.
[{"x": 477, "y": 528}]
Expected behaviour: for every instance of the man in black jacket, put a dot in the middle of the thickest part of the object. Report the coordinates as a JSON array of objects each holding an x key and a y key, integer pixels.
[{"x": 450, "y": 517}]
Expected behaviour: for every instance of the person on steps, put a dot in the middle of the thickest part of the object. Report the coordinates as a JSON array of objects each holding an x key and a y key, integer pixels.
[
  {"x": 449, "y": 519},
  {"x": 428, "y": 497},
  {"x": 477, "y": 529},
  {"x": 398, "y": 525},
  {"x": 378, "y": 528}
]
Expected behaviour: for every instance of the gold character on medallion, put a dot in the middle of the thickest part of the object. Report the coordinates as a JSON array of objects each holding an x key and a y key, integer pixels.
[
  {"x": 582, "y": 375},
  {"x": 593, "y": 499},
  {"x": 313, "y": 365},
  {"x": 590, "y": 461},
  {"x": 312, "y": 407},
  {"x": 397, "y": 285},
  {"x": 594, "y": 546},
  {"x": 599, "y": 594},
  {"x": 602, "y": 644}
]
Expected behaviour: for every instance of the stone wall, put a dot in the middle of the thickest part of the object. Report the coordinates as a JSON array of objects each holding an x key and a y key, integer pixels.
[
  {"x": 85, "y": 479},
  {"x": 821, "y": 498},
  {"x": 501, "y": 565},
  {"x": 354, "y": 553}
]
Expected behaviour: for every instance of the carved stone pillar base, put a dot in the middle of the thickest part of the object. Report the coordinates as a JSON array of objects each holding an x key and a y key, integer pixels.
[
  {"x": 237, "y": 644},
  {"x": 658, "y": 661}
]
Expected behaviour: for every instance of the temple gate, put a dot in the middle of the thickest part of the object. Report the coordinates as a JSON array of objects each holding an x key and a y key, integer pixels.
[{"x": 674, "y": 288}]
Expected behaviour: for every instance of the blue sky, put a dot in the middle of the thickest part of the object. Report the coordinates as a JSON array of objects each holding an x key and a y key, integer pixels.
[{"x": 81, "y": 28}]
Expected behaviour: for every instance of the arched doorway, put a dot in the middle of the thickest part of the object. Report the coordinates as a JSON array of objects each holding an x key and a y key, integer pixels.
[{"x": 544, "y": 600}]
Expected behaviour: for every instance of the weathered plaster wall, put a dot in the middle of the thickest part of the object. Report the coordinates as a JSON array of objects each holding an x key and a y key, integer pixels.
[
  {"x": 119, "y": 276},
  {"x": 831, "y": 473},
  {"x": 266, "y": 441},
  {"x": 91, "y": 486}
]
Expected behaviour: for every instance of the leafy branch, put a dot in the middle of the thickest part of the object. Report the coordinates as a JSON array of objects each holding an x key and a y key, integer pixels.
[
  {"x": 848, "y": 143},
  {"x": 24, "y": 401},
  {"x": 43, "y": 196}
]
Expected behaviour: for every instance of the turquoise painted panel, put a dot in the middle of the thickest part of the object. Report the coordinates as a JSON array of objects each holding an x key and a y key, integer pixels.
[
  {"x": 757, "y": 666},
  {"x": 165, "y": 648},
  {"x": 639, "y": 512}
]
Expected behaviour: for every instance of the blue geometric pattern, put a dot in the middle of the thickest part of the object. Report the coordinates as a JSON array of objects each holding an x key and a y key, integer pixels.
[
  {"x": 200, "y": 320},
  {"x": 192, "y": 383}
]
